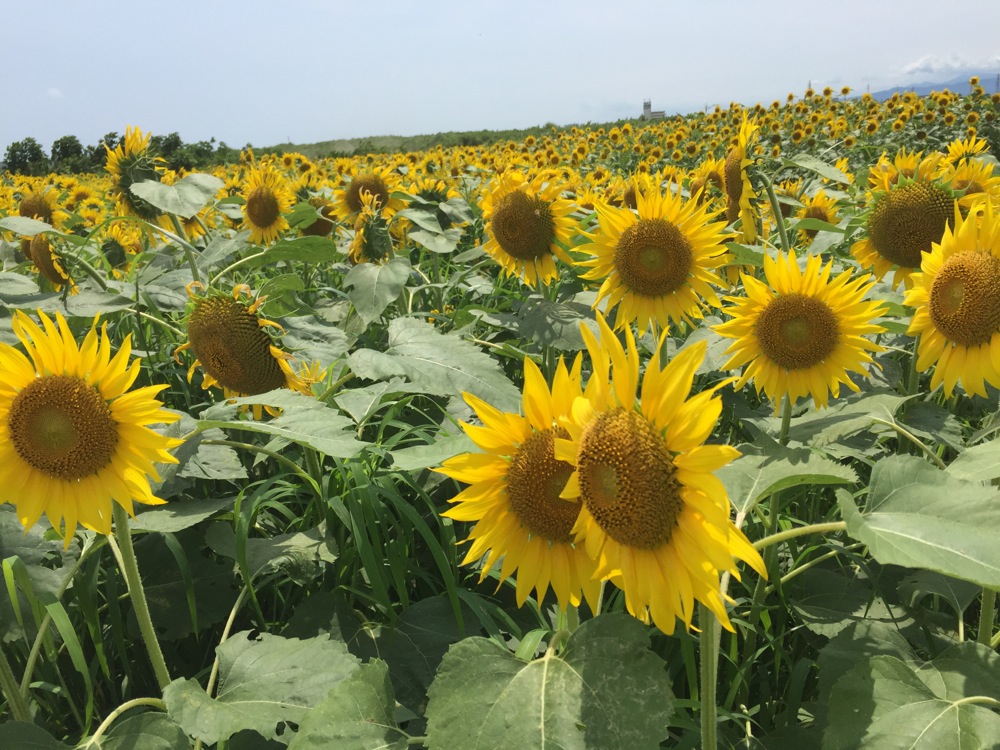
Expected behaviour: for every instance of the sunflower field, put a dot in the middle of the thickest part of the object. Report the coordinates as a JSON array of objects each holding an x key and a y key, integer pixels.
[{"x": 674, "y": 433}]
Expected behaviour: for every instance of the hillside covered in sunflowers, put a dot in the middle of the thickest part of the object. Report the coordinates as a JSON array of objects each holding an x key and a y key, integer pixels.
[{"x": 672, "y": 433}]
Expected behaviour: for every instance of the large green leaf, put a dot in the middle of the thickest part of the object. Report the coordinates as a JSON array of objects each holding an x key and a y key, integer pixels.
[
  {"x": 180, "y": 514},
  {"x": 981, "y": 463},
  {"x": 184, "y": 198},
  {"x": 820, "y": 167},
  {"x": 24, "y": 736},
  {"x": 920, "y": 517},
  {"x": 442, "y": 362},
  {"x": 766, "y": 467},
  {"x": 375, "y": 286},
  {"x": 278, "y": 551},
  {"x": 311, "y": 250},
  {"x": 828, "y": 601},
  {"x": 423, "y": 456},
  {"x": 845, "y": 417},
  {"x": 148, "y": 731},
  {"x": 303, "y": 420},
  {"x": 885, "y": 703},
  {"x": 24, "y": 225},
  {"x": 555, "y": 324},
  {"x": 356, "y": 715},
  {"x": 606, "y": 690},
  {"x": 265, "y": 683}
]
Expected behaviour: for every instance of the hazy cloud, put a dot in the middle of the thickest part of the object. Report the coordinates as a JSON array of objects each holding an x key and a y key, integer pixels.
[
  {"x": 54, "y": 93},
  {"x": 933, "y": 64}
]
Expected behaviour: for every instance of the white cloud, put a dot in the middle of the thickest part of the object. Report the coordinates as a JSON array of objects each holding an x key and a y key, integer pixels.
[
  {"x": 54, "y": 93},
  {"x": 934, "y": 64}
]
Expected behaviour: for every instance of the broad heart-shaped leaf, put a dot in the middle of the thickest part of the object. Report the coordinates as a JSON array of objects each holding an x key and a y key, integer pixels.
[
  {"x": 25, "y": 736},
  {"x": 885, "y": 703},
  {"x": 423, "y": 456},
  {"x": 264, "y": 682},
  {"x": 766, "y": 467},
  {"x": 606, "y": 690},
  {"x": 24, "y": 225},
  {"x": 357, "y": 714},
  {"x": 820, "y": 167},
  {"x": 959, "y": 594},
  {"x": 555, "y": 324},
  {"x": 184, "y": 198},
  {"x": 148, "y": 731},
  {"x": 281, "y": 550},
  {"x": 375, "y": 286},
  {"x": 442, "y": 243},
  {"x": 303, "y": 420},
  {"x": 845, "y": 417},
  {"x": 442, "y": 362},
  {"x": 921, "y": 517},
  {"x": 828, "y": 601},
  {"x": 305, "y": 249},
  {"x": 981, "y": 463}
]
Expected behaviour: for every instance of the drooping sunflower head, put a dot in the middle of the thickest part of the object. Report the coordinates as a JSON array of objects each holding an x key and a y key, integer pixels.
[
  {"x": 708, "y": 181},
  {"x": 372, "y": 241},
  {"x": 515, "y": 488},
  {"x": 739, "y": 189},
  {"x": 129, "y": 163},
  {"x": 801, "y": 333},
  {"x": 657, "y": 264},
  {"x": 902, "y": 223},
  {"x": 229, "y": 341},
  {"x": 49, "y": 265},
  {"x": 267, "y": 197},
  {"x": 653, "y": 517},
  {"x": 38, "y": 204},
  {"x": 528, "y": 224},
  {"x": 956, "y": 297},
  {"x": 73, "y": 439}
]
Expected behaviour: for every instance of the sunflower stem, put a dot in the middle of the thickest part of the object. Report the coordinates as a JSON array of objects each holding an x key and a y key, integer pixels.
[
  {"x": 779, "y": 220},
  {"x": 126, "y": 706},
  {"x": 710, "y": 638},
  {"x": 913, "y": 439},
  {"x": 91, "y": 272},
  {"x": 184, "y": 245},
  {"x": 786, "y": 419},
  {"x": 130, "y": 569},
  {"x": 912, "y": 376},
  {"x": 813, "y": 528},
  {"x": 11, "y": 691},
  {"x": 987, "y": 616}
]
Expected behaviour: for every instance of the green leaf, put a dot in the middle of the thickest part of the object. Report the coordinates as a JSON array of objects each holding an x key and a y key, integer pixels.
[
  {"x": 264, "y": 683},
  {"x": 423, "y": 456},
  {"x": 555, "y": 324},
  {"x": 356, "y": 715},
  {"x": 827, "y": 602},
  {"x": 184, "y": 198},
  {"x": 744, "y": 255},
  {"x": 921, "y": 517},
  {"x": 312, "y": 250},
  {"x": 178, "y": 515},
  {"x": 373, "y": 286},
  {"x": 303, "y": 420},
  {"x": 444, "y": 363},
  {"x": 766, "y": 468},
  {"x": 606, "y": 690},
  {"x": 311, "y": 338},
  {"x": 980, "y": 463},
  {"x": 423, "y": 218},
  {"x": 279, "y": 551},
  {"x": 24, "y": 736},
  {"x": 442, "y": 243},
  {"x": 147, "y": 731},
  {"x": 820, "y": 167},
  {"x": 846, "y": 417},
  {"x": 934, "y": 424},
  {"x": 885, "y": 703},
  {"x": 922, "y": 583},
  {"x": 24, "y": 226}
]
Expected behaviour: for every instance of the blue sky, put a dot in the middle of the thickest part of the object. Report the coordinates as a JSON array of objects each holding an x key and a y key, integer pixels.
[{"x": 305, "y": 70}]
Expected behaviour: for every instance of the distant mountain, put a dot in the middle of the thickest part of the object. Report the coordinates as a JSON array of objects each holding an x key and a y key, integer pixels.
[{"x": 988, "y": 79}]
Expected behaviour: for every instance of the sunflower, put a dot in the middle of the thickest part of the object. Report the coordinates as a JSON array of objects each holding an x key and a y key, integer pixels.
[
  {"x": 957, "y": 301},
  {"x": 514, "y": 492},
  {"x": 48, "y": 263},
  {"x": 38, "y": 204},
  {"x": 908, "y": 165},
  {"x": 382, "y": 184},
  {"x": 527, "y": 223},
  {"x": 902, "y": 224},
  {"x": 267, "y": 199},
  {"x": 819, "y": 206},
  {"x": 653, "y": 516},
  {"x": 128, "y": 163},
  {"x": 972, "y": 147},
  {"x": 973, "y": 180},
  {"x": 801, "y": 333},
  {"x": 372, "y": 241},
  {"x": 72, "y": 438},
  {"x": 739, "y": 190},
  {"x": 228, "y": 340},
  {"x": 657, "y": 266}
]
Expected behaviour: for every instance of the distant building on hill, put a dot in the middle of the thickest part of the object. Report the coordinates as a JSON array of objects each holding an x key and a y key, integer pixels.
[{"x": 648, "y": 113}]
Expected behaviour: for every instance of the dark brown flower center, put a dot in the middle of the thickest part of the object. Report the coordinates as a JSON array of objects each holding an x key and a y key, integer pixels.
[
  {"x": 34, "y": 206},
  {"x": 62, "y": 426},
  {"x": 262, "y": 207},
  {"x": 523, "y": 225},
  {"x": 965, "y": 298},
  {"x": 230, "y": 344},
  {"x": 734, "y": 184},
  {"x": 366, "y": 183},
  {"x": 534, "y": 482},
  {"x": 796, "y": 331},
  {"x": 653, "y": 257},
  {"x": 905, "y": 222},
  {"x": 628, "y": 480}
]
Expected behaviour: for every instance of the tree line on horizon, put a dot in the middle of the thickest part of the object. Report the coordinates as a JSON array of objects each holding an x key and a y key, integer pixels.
[{"x": 69, "y": 156}]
